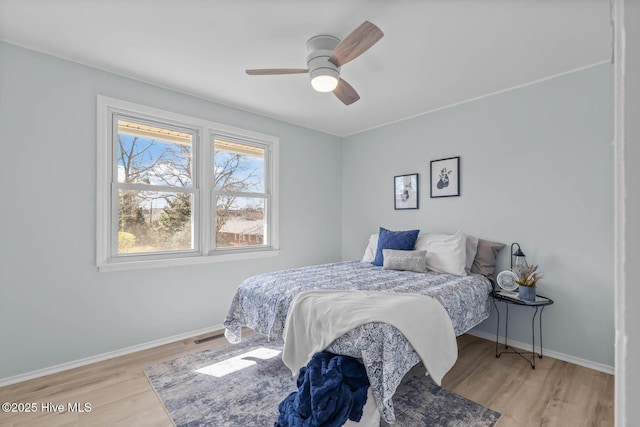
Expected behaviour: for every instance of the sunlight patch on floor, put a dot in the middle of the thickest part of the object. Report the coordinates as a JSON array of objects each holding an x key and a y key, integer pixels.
[{"x": 237, "y": 363}]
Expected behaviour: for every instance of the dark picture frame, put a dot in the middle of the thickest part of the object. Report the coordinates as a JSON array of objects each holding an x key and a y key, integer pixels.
[
  {"x": 445, "y": 177},
  {"x": 405, "y": 191}
]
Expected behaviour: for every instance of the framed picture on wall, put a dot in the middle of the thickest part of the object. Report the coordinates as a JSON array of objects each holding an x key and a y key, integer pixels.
[
  {"x": 445, "y": 177},
  {"x": 405, "y": 191}
]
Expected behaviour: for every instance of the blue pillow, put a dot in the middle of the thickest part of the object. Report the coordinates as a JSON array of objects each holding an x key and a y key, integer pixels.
[{"x": 401, "y": 240}]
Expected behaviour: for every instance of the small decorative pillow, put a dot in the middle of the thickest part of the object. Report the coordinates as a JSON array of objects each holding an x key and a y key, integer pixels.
[
  {"x": 387, "y": 239},
  {"x": 405, "y": 260}
]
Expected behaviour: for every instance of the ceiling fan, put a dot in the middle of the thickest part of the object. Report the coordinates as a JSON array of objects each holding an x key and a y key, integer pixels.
[{"x": 326, "y": 55}]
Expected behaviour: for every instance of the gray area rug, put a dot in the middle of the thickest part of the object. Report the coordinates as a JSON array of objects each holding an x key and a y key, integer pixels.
[{"x": 242, "y": 385}]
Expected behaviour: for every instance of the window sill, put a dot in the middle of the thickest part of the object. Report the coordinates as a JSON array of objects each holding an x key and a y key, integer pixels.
[{"x": 104, "y": 267}]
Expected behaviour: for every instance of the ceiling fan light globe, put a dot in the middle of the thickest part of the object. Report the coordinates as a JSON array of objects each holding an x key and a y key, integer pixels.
[{"x": 324, "y": 83}]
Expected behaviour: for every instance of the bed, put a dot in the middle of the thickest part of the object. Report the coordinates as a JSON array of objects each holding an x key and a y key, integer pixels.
[{"x": 262, "y": 302}]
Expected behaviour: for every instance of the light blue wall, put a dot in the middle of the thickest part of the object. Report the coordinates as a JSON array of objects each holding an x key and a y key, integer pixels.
[
  {"x": 54, "y": 305},
  {"x": 550, "y": 141},
  {"x": 536, "y": 168}
]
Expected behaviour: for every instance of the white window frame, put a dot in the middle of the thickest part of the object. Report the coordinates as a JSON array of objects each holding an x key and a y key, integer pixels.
[{"x": 204, "y": 238}]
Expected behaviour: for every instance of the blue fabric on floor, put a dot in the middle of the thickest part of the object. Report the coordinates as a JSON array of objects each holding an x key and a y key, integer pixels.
[{"x": 331, "y": 389}]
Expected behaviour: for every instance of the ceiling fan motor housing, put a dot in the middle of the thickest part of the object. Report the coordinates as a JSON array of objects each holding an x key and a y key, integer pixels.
[{"x": 319, "y": 50}]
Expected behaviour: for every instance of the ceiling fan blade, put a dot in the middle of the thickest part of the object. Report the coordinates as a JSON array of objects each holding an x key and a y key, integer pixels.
[
  {"x": 275, "y": 71},
  {"x": 345, "y": 92},
  {"x": 356, "y": 43}
]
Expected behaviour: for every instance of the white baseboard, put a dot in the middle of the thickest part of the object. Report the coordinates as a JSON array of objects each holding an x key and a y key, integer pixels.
[
  {"x": 104, "y": 356},
  {"x": 607, "y": 369}
]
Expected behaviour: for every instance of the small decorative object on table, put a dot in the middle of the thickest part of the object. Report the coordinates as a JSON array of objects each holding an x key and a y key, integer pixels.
[
  {"x": 507, "y": 280},
  {"x": 527, "y": 277},
  {"x": 518, "y": 258}
]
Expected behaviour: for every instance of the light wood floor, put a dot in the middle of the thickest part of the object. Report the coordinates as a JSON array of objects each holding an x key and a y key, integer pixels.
[{"x": 556, "y": 393}]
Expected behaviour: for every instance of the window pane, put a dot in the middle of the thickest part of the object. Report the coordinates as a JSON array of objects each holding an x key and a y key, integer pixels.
[
  {"x": 154, "y": 221},
  {"x": 152, "y": 155},
  {"x": 239, "y": 221},
  {"x": 238, "y": 167}
]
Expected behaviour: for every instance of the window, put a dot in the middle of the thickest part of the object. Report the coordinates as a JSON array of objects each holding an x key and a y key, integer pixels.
[
  {"x": 178, "y": 190},
  {"x": 153, "y": 187},
  {"x": 240, "y": 195}
]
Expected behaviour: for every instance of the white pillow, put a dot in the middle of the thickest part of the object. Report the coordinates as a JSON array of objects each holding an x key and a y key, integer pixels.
[
  {"x": 446, "y": 253},
  {"x": 472, "y": 250},
  {"x": 372, "y": 247}
]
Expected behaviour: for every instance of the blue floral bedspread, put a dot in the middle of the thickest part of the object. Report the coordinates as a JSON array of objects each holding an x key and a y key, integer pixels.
[{"x": 262, "y": 302}]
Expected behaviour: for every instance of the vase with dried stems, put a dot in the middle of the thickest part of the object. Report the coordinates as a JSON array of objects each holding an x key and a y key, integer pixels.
[{"x": 527, "y": 277}]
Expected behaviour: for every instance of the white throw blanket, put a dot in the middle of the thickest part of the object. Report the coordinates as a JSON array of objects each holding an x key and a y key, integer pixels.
[{"x": 316, "y": 318}]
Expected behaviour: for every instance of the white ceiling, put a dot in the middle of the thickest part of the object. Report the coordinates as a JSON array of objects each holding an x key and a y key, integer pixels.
[{"x": 434, "y": 53}]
